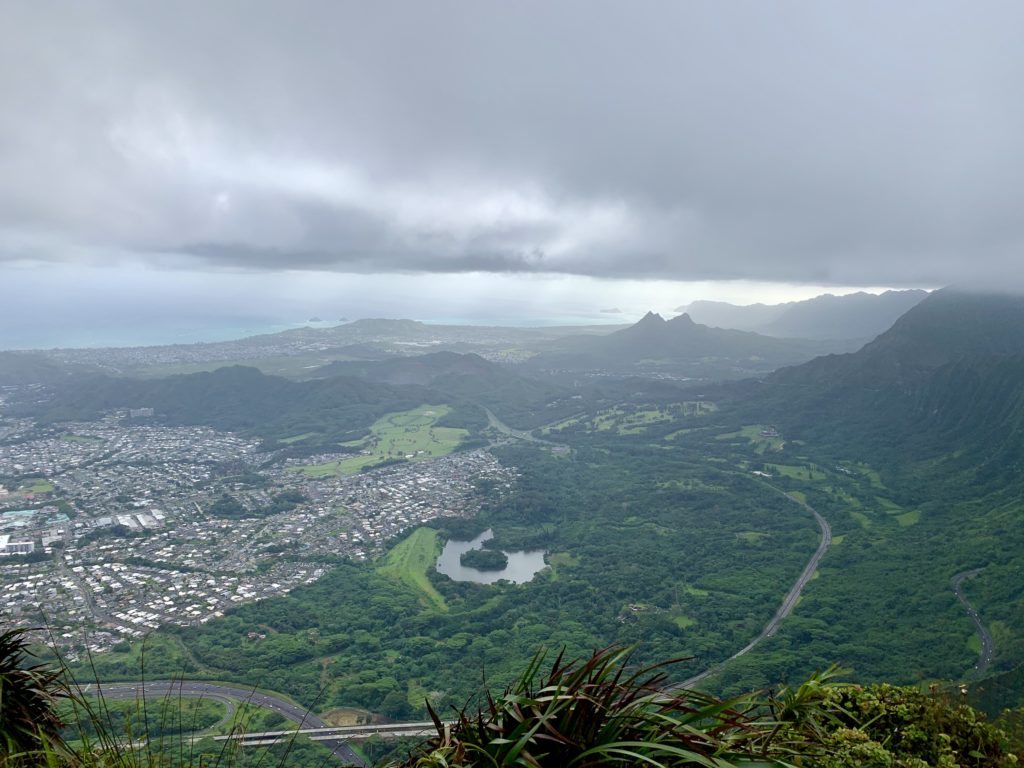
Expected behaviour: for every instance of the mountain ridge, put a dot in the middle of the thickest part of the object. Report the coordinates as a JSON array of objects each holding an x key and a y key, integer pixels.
[
  {"x": 682, "y": 347},
  {"x": 852, "y": 316}
]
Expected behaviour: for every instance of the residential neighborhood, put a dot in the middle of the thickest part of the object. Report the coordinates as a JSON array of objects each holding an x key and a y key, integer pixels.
[{"x": 110, "y": 529}]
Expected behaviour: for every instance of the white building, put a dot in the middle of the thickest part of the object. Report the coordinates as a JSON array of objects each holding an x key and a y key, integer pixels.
[{"x": 8, "y": 547}]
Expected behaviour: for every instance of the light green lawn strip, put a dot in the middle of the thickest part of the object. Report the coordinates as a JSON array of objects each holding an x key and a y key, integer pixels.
[
  {"x": 871, "y": 474},
  {"x": 81, "y": 439},
  {"x": 689, "y": 589},
  {"x": 674, "y": 435},
  {"x": 634, "y": 423},
  {"x": 861, "y": 518},
  {"x": 909, "y": 518},
  {"x": 297, "y": 438},
  {"x": 752, "y": 432},
  {"x": 791, "y": 470},
  {"x": 411, "y": 559},
  {"x": 562, "y": 560},
  {"x": 683, "y": 621},
  {"x": 560, "y": 424},
  {"x": 846, "y": 498},
  {"x": 626, "y": 422}
]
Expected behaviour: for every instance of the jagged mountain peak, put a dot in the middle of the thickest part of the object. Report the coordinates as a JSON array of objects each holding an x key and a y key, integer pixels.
[
  {"x": 683, "y": 320},
  {"x": 651, "y": 318}
]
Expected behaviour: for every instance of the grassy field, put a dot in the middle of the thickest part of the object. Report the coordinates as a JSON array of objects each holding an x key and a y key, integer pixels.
[
  {"x": 298, "y": 438},
  {"x": 843, "y": 497},
  {"x": 689, "y": 589},
  {"x": 863, "y": 520},
  {"x": 678, "y": 432},
  {"x": 562, "y": 560},
  {"x": 872, "y": 475},
  {"x": 683, "y": 621},
  {"x": 753, "y": 433},
  {"x": 798, "y": 472},
  {"x": 349, "y": 716},
  {"x": 38, "y": 486},
  {"x": 625, "y": 421},
  {"x": 908, "y": 518},
  {"x": 410, "y": 560},
  {"x": 634, "y": 423},
  {"x": 252, "y": 717},
  {"x": 409, "y": 435}
]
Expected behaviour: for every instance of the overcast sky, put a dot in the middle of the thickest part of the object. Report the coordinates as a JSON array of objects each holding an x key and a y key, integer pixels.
[{"x": 594, "y": 147}]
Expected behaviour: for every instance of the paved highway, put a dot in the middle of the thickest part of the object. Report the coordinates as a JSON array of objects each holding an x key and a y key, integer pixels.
[
  {"x": 788, "y": 604},
  {"x": 988, "y": 646},
  {"x": 192, "y": 689},
  {"x": 350, "y": 732},
  {"x": 519, "y": 434}
]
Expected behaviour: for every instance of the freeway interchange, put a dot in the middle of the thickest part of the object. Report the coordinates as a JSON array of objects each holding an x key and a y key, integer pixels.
[{"x": 230, "y": 695}]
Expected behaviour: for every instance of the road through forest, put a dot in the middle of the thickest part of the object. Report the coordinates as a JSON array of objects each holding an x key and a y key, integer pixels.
[
  {"x": 988, "y": 646},
  {"x": 788, "y": 603}
]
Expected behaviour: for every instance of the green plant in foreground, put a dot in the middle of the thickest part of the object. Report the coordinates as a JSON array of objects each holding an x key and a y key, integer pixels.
[
  {"x": 591, "y": 714},
  {"x": 596, "y": 713},
  {"x": 902, "y": 727},
  {"x": 29, "y": 724}
]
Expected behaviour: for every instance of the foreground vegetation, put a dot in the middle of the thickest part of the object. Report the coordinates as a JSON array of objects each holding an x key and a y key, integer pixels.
[{"x": 600, "y": 711}]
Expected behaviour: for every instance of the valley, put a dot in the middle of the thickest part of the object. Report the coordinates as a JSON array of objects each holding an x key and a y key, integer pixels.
[
  {"x": 511, "y": 385},
  {"x": 760, "y": 528}
]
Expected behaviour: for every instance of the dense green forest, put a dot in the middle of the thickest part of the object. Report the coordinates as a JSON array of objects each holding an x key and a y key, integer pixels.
[
  {"x": 626, "y": 566},
  {"x": 619, "y": 518}
]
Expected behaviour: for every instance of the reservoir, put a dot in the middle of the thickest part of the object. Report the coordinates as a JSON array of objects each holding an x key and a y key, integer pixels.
[{"x": 522, "y": 566}]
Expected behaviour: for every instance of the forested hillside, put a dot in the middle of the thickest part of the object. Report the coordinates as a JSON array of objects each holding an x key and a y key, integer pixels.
[{"x": 679, "y": 346}]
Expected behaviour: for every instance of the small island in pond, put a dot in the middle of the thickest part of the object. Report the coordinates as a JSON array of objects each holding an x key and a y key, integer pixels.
[{"x": 484, "y": 559}]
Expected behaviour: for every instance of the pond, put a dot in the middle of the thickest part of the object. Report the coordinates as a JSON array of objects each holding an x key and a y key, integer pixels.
[{"x": 522, "y": 566}]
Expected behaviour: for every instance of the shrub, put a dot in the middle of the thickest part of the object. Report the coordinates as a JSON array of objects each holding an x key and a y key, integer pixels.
[{"x": 29, "y": 723}]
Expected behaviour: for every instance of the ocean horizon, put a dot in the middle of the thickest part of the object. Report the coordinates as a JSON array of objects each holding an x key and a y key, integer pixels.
[{"x": 40, "y": 336}]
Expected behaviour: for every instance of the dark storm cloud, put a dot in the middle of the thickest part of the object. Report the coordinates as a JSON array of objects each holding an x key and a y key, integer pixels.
[{"x": 867, "y": 143}]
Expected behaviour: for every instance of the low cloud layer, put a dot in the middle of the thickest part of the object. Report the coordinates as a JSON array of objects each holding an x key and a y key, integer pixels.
[{"x": 865, "y": 144}]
